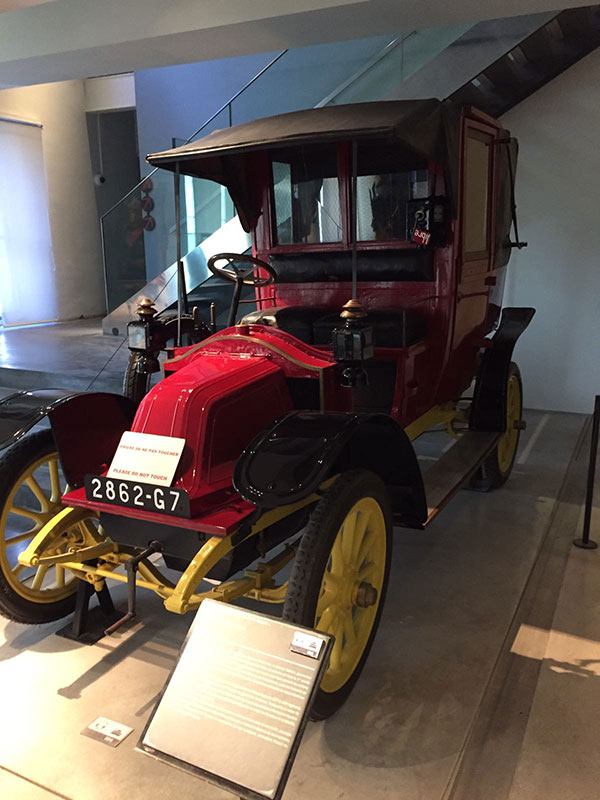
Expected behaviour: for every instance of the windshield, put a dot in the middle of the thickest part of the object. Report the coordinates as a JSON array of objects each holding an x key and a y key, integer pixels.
[
  {"x": 306, "y": 195},
  {"x": 386, "y": 185}
]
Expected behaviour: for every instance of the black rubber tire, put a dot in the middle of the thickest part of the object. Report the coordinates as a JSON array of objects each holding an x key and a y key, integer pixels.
[
  {"x": 311, "y": 560},
  {"x": 490, "y": 475},
  {"x": 135, "y": 384},
  {"x": 17, "y": 459}
]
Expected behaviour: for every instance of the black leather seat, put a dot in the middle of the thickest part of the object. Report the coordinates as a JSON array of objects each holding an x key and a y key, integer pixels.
[
  {"x": 312, "y": 325},
  {"x": 300, "y": 321},
  {"x": 373, "y": 265}
]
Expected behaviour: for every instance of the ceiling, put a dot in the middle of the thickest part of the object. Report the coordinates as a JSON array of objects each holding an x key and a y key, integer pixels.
[{"x": 50, "y": 41}]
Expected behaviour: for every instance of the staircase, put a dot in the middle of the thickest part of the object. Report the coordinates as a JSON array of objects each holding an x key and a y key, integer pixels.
[{"x": 538, "y": 59}]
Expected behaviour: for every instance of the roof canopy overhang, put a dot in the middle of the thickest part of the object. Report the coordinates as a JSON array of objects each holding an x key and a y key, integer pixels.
[{"x": 428, "y": 128}]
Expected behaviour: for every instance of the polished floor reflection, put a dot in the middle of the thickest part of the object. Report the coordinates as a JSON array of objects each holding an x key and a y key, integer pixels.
[{"x": 69, "y": 355}]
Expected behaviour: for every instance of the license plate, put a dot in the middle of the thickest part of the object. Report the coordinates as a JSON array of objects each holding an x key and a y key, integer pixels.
[{"x": 145, "y": 496}]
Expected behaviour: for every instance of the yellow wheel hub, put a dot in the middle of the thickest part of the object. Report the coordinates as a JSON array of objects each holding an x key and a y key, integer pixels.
[
  {"x": 351, "y": 589},
  {"x": 34, "y": 500},
  {"x": 508, "y": 443}
]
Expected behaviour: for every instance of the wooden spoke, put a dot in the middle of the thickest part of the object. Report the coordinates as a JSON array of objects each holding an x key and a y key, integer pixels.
[
  {"x": 36, "y": 516},
  {"x": 39, "y": 577},
  {"x": 324, "y": 624},
  {"x": 60, "y": 576},
  {"x": 362, "y": 524},
  {"x": 335, "y": 661},
  {"x": 365, "y": 547},
  {"x": 38, "y": 492},
  {"x": 347, "y": 532},
  {"x": 21, "y": 537},
  {"x": 367, "y": 572},
  {"x": 337, "y": 556},
  {"x": 349, "y": 631},
  {"x": 325, "y": 600},
  {"x": 55, "y": 480}
]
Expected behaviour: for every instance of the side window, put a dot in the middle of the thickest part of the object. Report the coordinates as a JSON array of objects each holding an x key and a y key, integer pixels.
[{"x": 477, "y": 166}]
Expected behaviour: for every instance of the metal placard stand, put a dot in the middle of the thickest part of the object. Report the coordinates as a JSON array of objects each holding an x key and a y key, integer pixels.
[
  {"x": 235, "y": 707},
  {"x": 585, "y": 542}
]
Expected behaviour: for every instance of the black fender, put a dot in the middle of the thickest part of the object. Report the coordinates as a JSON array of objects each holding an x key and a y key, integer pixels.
[
  {"x": 87, "y": 428},
  {"x": 488, "y": 411},
  {"x": 289, "y": 460}
]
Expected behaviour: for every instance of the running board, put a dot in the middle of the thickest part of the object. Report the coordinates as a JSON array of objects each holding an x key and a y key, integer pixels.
[{"x": 450, "y": 472}]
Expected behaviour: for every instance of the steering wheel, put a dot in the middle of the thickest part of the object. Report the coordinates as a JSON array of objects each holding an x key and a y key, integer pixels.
[
  {"x": 234, "y": 274},
  {"x": 241, "y": 277}
]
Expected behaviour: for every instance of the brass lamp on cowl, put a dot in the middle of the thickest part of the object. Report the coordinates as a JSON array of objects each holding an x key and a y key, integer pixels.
[
  {"x": 353, "y": 344},
  {"x": 139, "y": 335}
]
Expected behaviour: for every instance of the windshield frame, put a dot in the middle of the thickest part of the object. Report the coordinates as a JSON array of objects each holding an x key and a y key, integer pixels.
[{"x": 434, "y": 173}]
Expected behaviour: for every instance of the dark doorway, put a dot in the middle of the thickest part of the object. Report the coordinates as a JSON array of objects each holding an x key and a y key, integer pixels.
[{"x": 116, "y": 170}]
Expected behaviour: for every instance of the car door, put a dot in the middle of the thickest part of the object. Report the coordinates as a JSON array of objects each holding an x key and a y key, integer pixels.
[{"x": 475, "y": 249}]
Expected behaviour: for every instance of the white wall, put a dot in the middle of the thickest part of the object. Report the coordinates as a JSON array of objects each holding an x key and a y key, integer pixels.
[
  {"x": 558, "y": 211},
  {"x": 60, "y": 108},
  {"x": 110, "y": 92},
  {"x": 27, "y": 274}
]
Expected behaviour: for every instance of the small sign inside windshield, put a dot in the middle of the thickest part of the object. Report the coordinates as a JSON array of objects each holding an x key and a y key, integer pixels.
[{"x": 420, "y": 236}]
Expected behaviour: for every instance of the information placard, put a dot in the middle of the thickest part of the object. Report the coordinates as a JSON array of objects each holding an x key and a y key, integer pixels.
[
  {"x": 235, "y": 706},
  {"x": 147, "y": 458}
]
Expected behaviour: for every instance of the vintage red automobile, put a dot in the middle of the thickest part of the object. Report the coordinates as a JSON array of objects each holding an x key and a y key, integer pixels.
[{"x": 380, "y": 232}]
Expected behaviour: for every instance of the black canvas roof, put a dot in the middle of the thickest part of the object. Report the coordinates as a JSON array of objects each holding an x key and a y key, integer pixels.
[{"x": 429, "y": 128}]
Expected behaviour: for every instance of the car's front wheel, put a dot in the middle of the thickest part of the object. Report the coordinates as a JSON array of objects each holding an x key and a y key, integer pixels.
[{"x": 339, "y": 578}]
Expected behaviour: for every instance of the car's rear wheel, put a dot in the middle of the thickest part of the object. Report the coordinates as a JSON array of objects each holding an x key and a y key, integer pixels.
[
  {"x": 496, "y": 468},
  {"x": 31, "y": 486},
  {"x": 339, "y": 578}
]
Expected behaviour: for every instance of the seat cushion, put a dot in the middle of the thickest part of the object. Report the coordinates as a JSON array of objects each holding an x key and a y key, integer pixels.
[
  {"x": 300, "y": 321},
  {"x": 314, "y": 325},
  {"x": 373, "y": 265}
]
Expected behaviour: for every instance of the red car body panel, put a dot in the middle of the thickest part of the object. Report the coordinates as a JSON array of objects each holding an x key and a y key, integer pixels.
[{"x": 217, "y": 402}]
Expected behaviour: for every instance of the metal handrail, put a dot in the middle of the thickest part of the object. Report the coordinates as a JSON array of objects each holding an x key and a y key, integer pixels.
[
  {"x": 395, "y": 42},
  {"x": 201, "y": 128},
  {"x": 392, "y": 45}
]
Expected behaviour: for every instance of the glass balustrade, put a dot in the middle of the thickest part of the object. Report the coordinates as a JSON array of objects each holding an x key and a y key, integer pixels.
[{"x": 399, "y": 60}]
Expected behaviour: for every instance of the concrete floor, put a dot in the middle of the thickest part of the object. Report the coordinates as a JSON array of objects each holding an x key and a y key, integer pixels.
[
  {"x": 69, "y": 355},
  {"x": 481, "y": 682}
]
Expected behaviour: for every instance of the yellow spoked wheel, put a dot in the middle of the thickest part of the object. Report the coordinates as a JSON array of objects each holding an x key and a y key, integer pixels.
[
  {"x": 507, "y": 446},
  {"x": 498, "y": 465},
  {"x": 339, "y": 578},
  {"x": 31, "y": 485}
]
